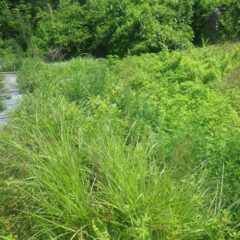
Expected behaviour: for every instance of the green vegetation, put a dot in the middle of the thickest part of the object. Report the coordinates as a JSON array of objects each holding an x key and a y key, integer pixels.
[
  {"x": 103, "y": 27},
  {"x": 10, "y": 56},
  {"x": 133, "y": 27},
  {"x": 115, "y": 27},
  {"x": 146, "y": 147},
  {"x": 143, "y": 144}
]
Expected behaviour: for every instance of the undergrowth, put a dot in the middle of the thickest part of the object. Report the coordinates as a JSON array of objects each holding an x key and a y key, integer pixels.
[
  {"x": 11, "y": 56},
  {"x": 144, "y": 147}
]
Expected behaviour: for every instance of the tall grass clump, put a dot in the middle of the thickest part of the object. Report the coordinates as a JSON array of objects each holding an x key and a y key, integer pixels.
[
  {"x": 78, "y": 80},
  {"x": 143, "y": 148},
  {"x": 79, "y": 179}
]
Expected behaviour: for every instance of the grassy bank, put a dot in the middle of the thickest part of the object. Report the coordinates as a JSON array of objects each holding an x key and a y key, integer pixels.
[{"x": 146, "y": 147}]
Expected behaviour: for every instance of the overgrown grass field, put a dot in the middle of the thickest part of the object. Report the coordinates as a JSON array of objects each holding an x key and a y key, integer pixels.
[{"x": 144, "y": 147}]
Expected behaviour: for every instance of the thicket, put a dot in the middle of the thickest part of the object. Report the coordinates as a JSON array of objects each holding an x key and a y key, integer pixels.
[
  {"x": 140, "y": 148},
  {"x": 116, "y": 27},
  {"x": 123, "y": 27},
  {"x": 106, "y": 27}
]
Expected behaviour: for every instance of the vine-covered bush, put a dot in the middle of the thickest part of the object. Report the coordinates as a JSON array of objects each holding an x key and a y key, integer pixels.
[{"x": 116, "y": 27}]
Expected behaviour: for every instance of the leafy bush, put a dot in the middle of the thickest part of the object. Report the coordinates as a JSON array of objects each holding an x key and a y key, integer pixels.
[
  {"x": 15, "y": 22},
  {"x": 115, "y": 27},
  {"x": 227, "y": 22},
  {"x": 63, "y": 29},
  {"x": 133, "y": 27},
  {"x": 122, "y": 27},
  {"x": 231, "y": 19}
]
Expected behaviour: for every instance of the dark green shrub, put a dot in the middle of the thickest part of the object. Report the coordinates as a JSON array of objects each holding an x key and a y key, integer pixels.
[
  {"x": 15, "y": 23},
  {"x": 226, "y": 21},
  {"x": 231, "y": 20},
  {"x": 63, "y": 29},
  {"x": 116, "y": 27}
]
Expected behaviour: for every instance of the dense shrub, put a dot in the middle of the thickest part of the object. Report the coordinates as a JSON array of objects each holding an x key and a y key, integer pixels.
[
  {"x": 15, "y": 23},
  {"x": 226, "y": 27},
  {"x": 122, "y": 27},
  {"x": 116, "y": 27},
  {"x": 64, "y": 29},
  {"x": 231, "y": 20}
]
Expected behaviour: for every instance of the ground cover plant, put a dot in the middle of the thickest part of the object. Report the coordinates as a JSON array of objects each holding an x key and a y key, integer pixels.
[{"x": 144, "y": 147}]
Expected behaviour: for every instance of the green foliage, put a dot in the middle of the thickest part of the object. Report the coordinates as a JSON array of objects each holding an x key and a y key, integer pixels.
[
  {"x": 115, "y": 27},
  {"x": 145, "y": 147},
  {"x": 227, "y": 27},
  {"x": 89, "y": 184},
  {"x": 18, "y": 20},
  {"x": 140, "y": 148},
  {"x": 133, "y": 27},
  {"x": 138, "y": 26},
  {"x": 122, "y": 27},
  {"x": 231, "y": 19},
  {"x": 63, "y": 29},
  {"x": 15, "y": 23},
  {"x": 10, "y": 56}
]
